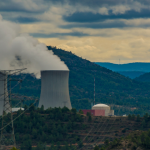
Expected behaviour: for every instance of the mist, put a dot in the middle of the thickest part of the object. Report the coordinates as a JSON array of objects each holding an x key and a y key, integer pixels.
[{"x": 19, "y": 51}]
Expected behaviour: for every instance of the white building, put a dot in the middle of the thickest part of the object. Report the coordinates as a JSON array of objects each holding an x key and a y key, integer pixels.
[
  {"x": 16, "y": 109},
  {"x": 108, "y": 111}
]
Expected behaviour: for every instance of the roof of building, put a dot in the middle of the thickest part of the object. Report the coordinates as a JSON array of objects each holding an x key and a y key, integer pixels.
[
  {"x": 16, "y": 109},
  {"x": 100, "y": 105}
]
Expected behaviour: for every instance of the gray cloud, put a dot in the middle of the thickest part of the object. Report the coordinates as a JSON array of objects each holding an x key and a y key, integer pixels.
[
  {"x": 99, "y": 3},
  {"x": 91, "y": 17},
  {"x": 101, "y": 25},
  {"x": 42, "y": 35},
  {"x": 91, "y": 3},
  {"x": 25, "y": 20},
  {"x": 29, "y": 6},
  {"x": 145, "y": 2},
  {"x": 40, "y": 6}
]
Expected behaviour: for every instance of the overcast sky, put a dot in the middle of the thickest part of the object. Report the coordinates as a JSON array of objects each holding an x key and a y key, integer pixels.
[{"x": 98, "y": 30}]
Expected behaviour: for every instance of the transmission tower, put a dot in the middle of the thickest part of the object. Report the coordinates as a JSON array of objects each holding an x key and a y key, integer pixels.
[{"x": 7, "y": 138}]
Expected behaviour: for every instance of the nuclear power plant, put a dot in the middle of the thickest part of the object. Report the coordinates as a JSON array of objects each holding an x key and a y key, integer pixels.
[
  {"x": 4, "y": 97},
  {"x": 100, "y": 110},
  {"x": 54, "y": 89}
]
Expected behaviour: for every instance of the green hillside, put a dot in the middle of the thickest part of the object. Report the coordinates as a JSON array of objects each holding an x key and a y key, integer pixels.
[
  {"x": 144, "y": 78},
  {"x": 131, "y": 74},
  {"x": 111, "y": 88}
]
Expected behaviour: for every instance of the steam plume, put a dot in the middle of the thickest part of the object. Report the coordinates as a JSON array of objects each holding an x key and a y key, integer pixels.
[{"x": 23, "y": 51}]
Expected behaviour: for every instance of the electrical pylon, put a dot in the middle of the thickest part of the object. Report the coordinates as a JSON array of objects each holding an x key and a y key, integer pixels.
[{"x": 7, "y": 138}]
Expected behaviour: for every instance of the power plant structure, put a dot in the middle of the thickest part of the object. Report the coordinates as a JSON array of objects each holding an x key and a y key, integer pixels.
[
  {"x": 4, "y": 97},
  {"x": 100, "y": 110},
  {"x": 7, "y": 137},
  {"x": 54, "y": 89}
]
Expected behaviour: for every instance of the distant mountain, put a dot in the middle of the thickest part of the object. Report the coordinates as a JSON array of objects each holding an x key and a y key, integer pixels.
[
  {"x": 131, "y": 70},
  {"x": 138, "y": 66},
  {"x": 131, "y": 74},
  {"x": 144, "y": 78}
]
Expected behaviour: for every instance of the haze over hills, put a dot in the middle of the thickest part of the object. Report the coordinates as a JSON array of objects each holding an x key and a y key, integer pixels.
[
  {"x": 131, "y": 70},
  {"x": 137, "y": 66},
  {"x": 131, "y": 74},
  {"x": 111, "y": 87}
]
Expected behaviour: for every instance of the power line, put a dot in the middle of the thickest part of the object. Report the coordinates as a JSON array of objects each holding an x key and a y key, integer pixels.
[{"x": 7, "y": 137}]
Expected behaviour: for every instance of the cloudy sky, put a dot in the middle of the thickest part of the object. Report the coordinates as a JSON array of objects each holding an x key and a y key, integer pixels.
[{"x": 97, "y": 30}]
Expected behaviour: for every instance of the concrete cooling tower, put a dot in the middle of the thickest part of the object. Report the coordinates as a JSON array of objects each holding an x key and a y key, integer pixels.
[
  {"x": 4, "y": 99},
  {"x": 54, "y": 89}
]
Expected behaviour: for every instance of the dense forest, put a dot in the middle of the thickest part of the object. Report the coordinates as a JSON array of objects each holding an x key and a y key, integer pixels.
[
  {"x": 123, "y": 94},
  {"x": 131, "y": 74},
  {"x": 137, "y": 140},
  {"x": 64, "y": 129},
  {"x": 144, "y": 78}
]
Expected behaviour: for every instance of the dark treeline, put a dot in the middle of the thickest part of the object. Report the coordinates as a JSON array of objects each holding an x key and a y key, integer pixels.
[{"x": 49, "y": 127}]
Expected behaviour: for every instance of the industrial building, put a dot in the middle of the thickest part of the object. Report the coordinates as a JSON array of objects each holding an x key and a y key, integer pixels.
[
  {"x": 100, "y": 110},
  {"x": 16, "y": 109},
  {"x": 54, "y": 89}
]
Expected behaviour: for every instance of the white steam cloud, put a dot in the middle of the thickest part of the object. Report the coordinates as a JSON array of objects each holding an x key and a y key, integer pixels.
[{"x": 23, "y": 51}]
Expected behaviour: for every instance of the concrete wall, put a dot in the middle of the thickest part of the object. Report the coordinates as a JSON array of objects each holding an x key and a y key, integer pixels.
[
  {"x": 88, "y": 110},
  {"x": 111, "y": 113},
  {"x": 54, "y": 89},
  {"x": 99, "y": 112},
  {"x": 94, "y": 112},
  {"x": 107, "y": 109}
]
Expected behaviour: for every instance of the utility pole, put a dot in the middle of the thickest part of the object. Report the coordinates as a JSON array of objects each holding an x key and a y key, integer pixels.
[
  {"x": 7, "y": 137},
  {"x": 94, "y": 90}
]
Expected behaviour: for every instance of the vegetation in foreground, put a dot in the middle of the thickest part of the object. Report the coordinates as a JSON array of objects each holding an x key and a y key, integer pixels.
[
  {"x": 64, "y": 129},
  {"x": 137, "y": 140}
]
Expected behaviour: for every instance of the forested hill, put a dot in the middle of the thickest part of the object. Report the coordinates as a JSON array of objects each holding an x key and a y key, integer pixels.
[
  {"x": 111, "y": 87},
  {"x": 144, "y": 78}
]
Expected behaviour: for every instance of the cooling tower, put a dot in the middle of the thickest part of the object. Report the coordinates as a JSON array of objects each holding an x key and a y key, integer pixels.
[
  {"x": 4, "y": 99},
  {"x": 54, "y": 89}
]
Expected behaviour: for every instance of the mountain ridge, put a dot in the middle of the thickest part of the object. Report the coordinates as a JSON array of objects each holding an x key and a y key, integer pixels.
[
  {"x": 136, "y": 66},
  {"x": 110, "y": 87}
]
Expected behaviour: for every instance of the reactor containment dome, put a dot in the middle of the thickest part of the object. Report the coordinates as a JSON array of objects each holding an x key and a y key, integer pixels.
[
  {"x": 54, "y": 89},
  {"x": 103, "y": 107}
]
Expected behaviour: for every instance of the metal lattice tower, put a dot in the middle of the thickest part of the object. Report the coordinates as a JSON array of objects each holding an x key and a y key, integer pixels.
[
  {"x": 93, "y": 102},
  {"x": 7, "y": 138},
  {"x": 94, "y": 90}
]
